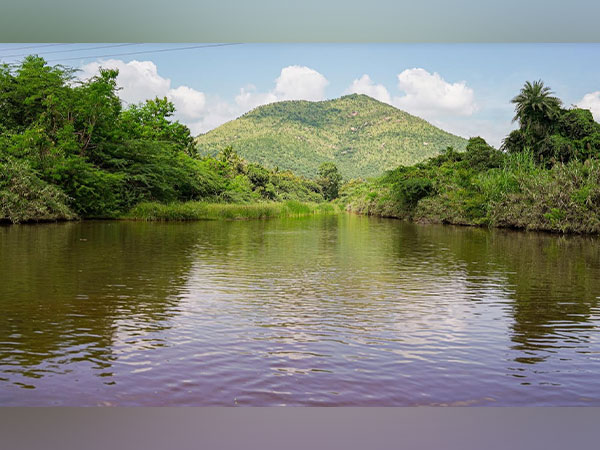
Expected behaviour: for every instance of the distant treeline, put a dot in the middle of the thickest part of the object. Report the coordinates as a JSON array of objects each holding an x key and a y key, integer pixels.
[
  {"x": 68, "y": 148},
  {"x": 546, "y": 176}
]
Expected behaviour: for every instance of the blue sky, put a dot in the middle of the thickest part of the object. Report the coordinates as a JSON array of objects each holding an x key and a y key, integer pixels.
[{"x": 463, "y": 88}]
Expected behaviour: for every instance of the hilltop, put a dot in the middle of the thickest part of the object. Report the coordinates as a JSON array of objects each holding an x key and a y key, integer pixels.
[{"x": 362, "y": 136}]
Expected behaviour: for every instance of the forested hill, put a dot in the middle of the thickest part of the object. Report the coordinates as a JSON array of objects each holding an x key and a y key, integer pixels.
[{"x": 362, "y": 136}]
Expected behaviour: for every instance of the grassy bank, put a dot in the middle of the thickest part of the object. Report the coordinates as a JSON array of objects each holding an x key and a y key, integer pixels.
[
  {"x": 485, "y": 187},
  {"x": 215, "y": 211}
]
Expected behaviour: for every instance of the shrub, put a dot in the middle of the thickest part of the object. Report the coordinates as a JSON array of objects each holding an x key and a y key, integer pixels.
[
  {"x": 411, "y": 190},
  {"x": 24, "y": 196}
]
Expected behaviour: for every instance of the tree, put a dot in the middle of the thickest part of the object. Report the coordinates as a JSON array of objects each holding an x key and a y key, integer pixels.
[
  {"x": 480, "y": 156},
  {"x": 535, "y": 106},
  {"x": 151, "y": 121},
  {"x": 538, "y": 112},
  {"x": 329, "y": 179}
]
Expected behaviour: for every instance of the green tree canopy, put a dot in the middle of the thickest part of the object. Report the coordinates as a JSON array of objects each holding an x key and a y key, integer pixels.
[
  {"x": 551, "y": 133},
  {"x": 329, "y": 179},
  {"x": 535, "y": 106}
]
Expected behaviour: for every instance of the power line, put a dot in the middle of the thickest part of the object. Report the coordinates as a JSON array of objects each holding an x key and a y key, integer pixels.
[
  {"x": 71, "y": 50},
  {"x": 148, "y": 51},
  {"x": 33, "y": 46}
]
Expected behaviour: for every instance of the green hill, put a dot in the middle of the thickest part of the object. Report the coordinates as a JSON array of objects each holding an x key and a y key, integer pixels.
[{"x": 362, "y": 136}]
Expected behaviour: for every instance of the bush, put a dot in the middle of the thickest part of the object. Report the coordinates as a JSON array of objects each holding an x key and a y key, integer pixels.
[
  {"x": 258, "y": 175},
  {"x": 411, "y": 190},
  {"x": 24, "y": 196},
  {"x": 92, "y": 192},
  {"x": 480, "y": 156}
]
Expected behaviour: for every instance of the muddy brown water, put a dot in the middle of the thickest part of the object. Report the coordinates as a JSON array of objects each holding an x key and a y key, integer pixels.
[{"x": 328, "y": 310}]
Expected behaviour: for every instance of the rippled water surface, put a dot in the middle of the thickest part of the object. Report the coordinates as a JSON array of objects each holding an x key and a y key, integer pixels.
[{"x": 332, "y": 310}]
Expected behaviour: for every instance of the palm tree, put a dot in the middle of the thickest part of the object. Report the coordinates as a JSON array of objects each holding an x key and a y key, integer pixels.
[{"x": 536, "y": 107}]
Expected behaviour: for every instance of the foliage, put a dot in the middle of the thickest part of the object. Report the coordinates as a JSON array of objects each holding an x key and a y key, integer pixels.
[
  {"x": 552, "y": 133},
  {"x": 329, "y": 179},
  {"x": 150, "y": 121},
  {"x": 24, "y": 196},
  {"x": 411, "y": 190},
  {"x": 69, "y": 149},
  {"x": 503, "y": 191},
  {"x": 535, "y": 107},
  {"x": 360, "y": 135},
  {"x": 76, "y": 150}
]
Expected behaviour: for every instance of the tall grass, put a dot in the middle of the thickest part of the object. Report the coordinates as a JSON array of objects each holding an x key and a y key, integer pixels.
[{"x": 152, "y": 211}]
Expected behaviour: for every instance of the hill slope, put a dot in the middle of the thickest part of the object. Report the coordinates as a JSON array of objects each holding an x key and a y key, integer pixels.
[{"x": 361, "y": 135}]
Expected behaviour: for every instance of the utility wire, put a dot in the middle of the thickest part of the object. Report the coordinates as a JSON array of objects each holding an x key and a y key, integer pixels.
[
  {"x": 71, "y": 50},
  {"x": 148, "y": 51},
  {"x": 32, "y": 46}
]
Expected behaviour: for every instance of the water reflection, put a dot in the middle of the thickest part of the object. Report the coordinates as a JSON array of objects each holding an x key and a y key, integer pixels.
[
  {"x": 551, "y": 280},
  {"x": 312, "y": 311},
  {"x": 77, "y": 293}
]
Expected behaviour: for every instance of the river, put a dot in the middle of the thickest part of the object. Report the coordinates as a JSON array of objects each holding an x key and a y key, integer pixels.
[{"x": 327, "y": 310}]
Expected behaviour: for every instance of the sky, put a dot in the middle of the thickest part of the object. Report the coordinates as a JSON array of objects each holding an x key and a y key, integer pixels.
[{"x": 462, "y": 88}]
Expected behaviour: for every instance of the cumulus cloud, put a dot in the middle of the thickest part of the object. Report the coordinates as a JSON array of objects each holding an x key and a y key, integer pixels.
[
  {"x": 364, "y": 85},
  {"x": 429, "y": 95},
  {"x": 300, "y": 83},
  {"x": 140, "y": 80},
  {"x": 190, "y": 103},
  {"x": 591, "y": 101}
]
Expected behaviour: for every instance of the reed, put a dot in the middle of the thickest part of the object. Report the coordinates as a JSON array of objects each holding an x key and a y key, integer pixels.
[{"x": 152, "y": 211}]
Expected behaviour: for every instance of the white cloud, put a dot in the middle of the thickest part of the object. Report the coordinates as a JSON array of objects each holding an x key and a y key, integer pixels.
[
  {"x": 217, "y": 113},
  {"x": 425, "y": 95},
  {"x": 429, "y": 95},
  {"x": 189, "y": 103},
  {"x": 248, "y": 98},
  {"x": 449, "y": 106},
  {"x": 139, "y": 81},
  {"x": 300, "y": 83},
  {"x": 591, "y": 101},
  {"x": 364, "y": 85}
]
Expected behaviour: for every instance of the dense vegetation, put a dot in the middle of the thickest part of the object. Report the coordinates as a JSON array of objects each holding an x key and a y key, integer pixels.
[
  {"x": 360, "y": 135},
  {"x": 548, "y": 177},
  {"x": 551, "y": 133},
  {"x": 69, "y": 149}
]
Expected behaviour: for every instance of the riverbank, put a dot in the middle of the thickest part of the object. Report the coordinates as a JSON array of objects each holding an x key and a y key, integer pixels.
[
  {"x": 486, "y": 188},
  {"x": 190, "y": 211}
]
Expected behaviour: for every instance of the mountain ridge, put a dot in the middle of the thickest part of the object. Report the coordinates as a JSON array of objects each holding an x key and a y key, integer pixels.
[{"x": 361, "y": 135}]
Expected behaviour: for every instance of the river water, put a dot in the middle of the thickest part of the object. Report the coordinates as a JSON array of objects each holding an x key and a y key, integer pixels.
[{"x": 327, "y": 310}]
